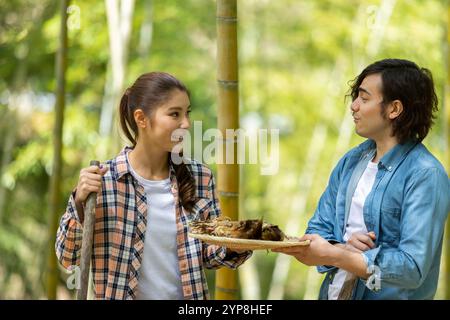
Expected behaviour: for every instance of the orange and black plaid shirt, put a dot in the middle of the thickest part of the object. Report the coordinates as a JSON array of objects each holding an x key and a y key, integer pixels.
[{"x": 119, "y": 231}]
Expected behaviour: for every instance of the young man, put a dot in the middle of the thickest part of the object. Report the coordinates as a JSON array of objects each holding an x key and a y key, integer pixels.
[{"x": 377, "y": 231}]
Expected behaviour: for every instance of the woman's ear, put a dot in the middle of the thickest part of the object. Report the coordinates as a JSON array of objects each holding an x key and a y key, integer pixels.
[
  {"x": 395, "y": 110},
  {"x": 140, "y": 118}
]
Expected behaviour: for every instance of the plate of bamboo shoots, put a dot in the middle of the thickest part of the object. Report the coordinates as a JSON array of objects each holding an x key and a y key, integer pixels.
[{"x": 242, "y": 234}]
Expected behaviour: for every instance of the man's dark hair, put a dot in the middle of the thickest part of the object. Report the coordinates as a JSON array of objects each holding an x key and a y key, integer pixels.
[{"x": 405, "y": 81}]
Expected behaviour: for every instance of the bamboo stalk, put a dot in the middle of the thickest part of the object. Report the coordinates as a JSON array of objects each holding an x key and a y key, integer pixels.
[
  {"x": 228, "y": 118},
  {"x": 55, "y": 179}
]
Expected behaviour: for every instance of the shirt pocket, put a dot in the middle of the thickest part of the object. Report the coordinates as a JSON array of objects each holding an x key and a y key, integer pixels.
[{"x": 390, "y": 225}]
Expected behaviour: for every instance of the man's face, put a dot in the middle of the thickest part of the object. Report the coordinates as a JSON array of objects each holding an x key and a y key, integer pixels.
[{"x": 366, "y": 110}]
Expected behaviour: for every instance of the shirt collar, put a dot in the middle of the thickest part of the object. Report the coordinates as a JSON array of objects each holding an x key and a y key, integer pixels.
[
  {"x": 121, "y": 163},
  {"x": 393, "y": 157}
]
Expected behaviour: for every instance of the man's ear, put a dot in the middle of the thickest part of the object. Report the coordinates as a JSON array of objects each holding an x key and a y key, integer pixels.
[
  {"x": 395, "y": 109},
  {"x": 140, "y": 118}
]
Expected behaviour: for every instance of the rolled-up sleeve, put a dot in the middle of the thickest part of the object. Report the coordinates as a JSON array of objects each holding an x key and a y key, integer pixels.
[
  {"x": 424, "y": 211},
  {"x": 69, "y": 236},
  {"x": 324, "y": 218},
  {"x": 215, "y": 257}
]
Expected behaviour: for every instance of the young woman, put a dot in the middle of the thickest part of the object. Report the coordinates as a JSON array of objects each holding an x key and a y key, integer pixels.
[{"x": 141, "y": 249}]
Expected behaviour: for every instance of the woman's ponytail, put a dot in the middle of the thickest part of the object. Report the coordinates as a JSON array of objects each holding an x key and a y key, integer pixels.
[{"x": 126, "y": 118}]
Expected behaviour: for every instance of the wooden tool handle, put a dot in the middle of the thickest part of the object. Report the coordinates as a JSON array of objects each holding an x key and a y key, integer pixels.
[{"x": 88, "y": 238}]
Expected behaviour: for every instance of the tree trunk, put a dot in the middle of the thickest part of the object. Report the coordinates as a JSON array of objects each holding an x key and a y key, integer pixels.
[
  {"x": 120, "y": 16},
  {"x": 55, "y": 179},
  {"x": 10, "y": 120},
  {"x": 146, "y": 35},
  {"x": 228, "y": 118},
  {"x": 8, "y": 146}
]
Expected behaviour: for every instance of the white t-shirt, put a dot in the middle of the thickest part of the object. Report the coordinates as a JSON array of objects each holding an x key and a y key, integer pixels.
[
  {"x": 355, "y": 221},
  {"x": 159, "y": 275}
]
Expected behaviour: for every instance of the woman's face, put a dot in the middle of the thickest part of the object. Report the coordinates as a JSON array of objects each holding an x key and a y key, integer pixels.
[{"x": 166, "y": 119}]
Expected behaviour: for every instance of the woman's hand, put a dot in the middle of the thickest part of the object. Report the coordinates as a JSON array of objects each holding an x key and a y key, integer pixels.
[
  {"x": 90, "y": 181},
  {"x": 232, "y": 253}
]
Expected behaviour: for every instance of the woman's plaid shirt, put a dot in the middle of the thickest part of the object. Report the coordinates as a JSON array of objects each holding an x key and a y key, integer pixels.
[{"x": 119, "y": 231}]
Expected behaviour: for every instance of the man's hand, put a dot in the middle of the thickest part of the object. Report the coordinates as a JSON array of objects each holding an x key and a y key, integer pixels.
[
  {"x": 322, "y": 253},
  {"x": 360, "y": 242},
  {"x": 319, "y": 251}
]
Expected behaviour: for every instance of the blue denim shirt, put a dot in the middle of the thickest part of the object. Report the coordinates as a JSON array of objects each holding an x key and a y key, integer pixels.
[{"x": 406, "y": 208}]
